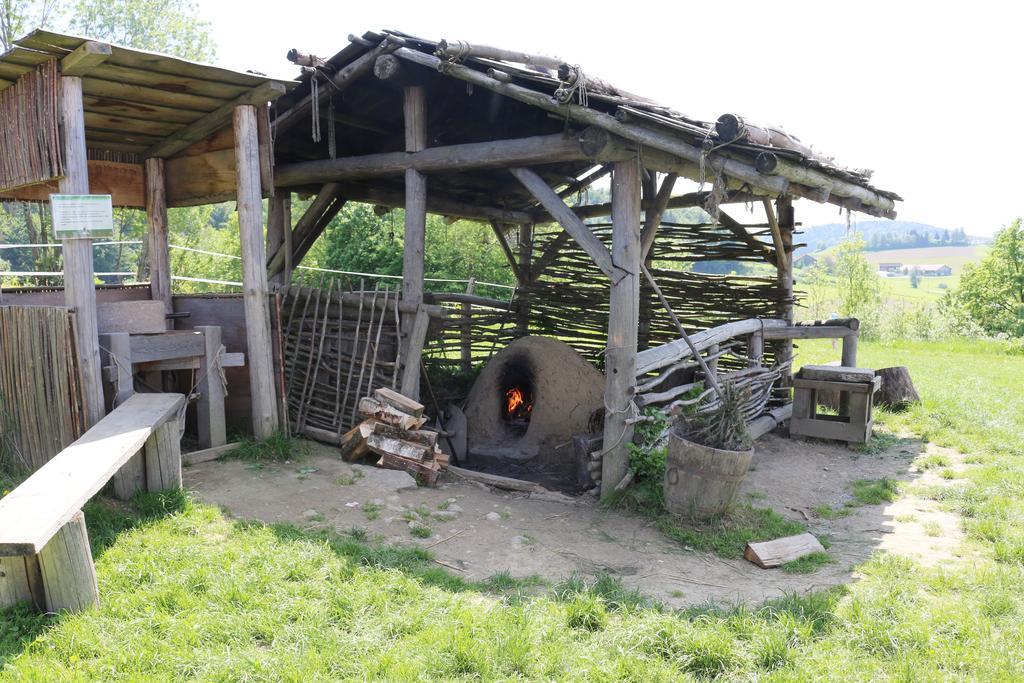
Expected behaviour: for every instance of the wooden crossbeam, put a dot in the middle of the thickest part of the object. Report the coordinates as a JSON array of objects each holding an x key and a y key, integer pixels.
[
  {"x": 572, "y": 224},
  {"x": 214, "y": 121},
  {"x": 541, "y": 149},
  {"x": 773, "y": 223},
  {"x": 82, "y": 60}
]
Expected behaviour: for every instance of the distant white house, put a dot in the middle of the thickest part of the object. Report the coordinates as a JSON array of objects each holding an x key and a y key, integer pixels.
[
  {"x": 930, "y": 269},
  {"x": 890, "y": 267}
]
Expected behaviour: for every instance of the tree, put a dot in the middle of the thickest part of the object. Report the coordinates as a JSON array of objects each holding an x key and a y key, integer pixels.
[
  {"x": 860, "y": 290},
  {"x": 915, "y": 277},
  {"x": 18, "y": 17},
  {"x": 168, "y": 26},
  {"x": 991, "y": 292}
]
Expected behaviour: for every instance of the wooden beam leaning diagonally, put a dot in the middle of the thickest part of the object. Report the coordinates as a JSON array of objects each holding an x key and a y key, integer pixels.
[
  {"x": 215, "y": 120},
  {"x": 653, "y": 214},
  {"x": 736, "y": 228},
  {"x": 572, "y": 224},
  {"x": 83, "y": 58},
  {"x": 773, "y": 223},
  {"x": 328, "y": 193},
  {"x": 509, "y": 254}
]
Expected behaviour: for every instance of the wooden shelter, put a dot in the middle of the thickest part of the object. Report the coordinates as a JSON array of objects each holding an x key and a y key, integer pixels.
[
  {"x": 512, "y": 139},
  {"x": 79, "y": 116}
]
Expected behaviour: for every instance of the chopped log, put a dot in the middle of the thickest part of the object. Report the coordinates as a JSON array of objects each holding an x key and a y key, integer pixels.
[
  {"x": 897, "y": 390},
  {"x": 353, "y": 444},
  {"x": 386, "y": 445},
  {"x": 419, "y": 436},
  {"x": 770, "y": 554},
  {"x": 396, "y": 400},
  {"x": 371, "y": 408},
  {"x": 427, "y": 473},
  {"x": 731, "y": 128}
]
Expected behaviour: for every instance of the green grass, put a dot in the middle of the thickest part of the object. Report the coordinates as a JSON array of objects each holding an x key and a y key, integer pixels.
[
  {"x": 808, "y": 563},
  {"x": 727, "y": 535},
  {"x": 189, "y": 594},
  {"x": 874, "y": 491},
  {"x": 275, "y": 448}
]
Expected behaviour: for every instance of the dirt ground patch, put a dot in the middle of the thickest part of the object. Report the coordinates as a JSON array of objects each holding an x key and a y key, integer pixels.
[{"x": 478, "y": 532}]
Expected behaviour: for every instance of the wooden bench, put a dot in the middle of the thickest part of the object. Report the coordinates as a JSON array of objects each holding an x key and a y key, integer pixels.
[{"x": 44, "y": 546}]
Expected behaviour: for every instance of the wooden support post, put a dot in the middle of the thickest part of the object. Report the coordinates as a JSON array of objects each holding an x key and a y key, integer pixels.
[
  {"x": 467, "y": 329},
  {"x": 159, "y": 253},
  {"x": 755, "y": 349},
  {"x": 79, "y": 275},
  {"x": 415, "y": 229},
  {"x": 417, "y": 338},
  {"x": 163, "y": 457},
  {"x": 620, "y": 354},
  {"x": 849, "y": 351},
  {"x": 210, "y": 407},
  {"x": 712, "y": 360},
  {"x": 254, "y": 273},
  {"x": 279, "y": 228},
  {"x": 68, "y": 573},
  {"x": 525, "y": 278},
  {"x": 20, "y": 581},
  {"x": 784, "y": 267},
  {"x": 131, "y": 478}
]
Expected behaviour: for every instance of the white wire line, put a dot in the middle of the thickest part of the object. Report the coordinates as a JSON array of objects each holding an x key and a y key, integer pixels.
[
  {"x": 49, "y": 273},
  {"x": 230, "y": 256},
  {"x": 58, "y": 245}
]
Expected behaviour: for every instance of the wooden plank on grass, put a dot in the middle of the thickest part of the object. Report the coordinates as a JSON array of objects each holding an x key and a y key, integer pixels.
[{"x": 768, "y": 554}]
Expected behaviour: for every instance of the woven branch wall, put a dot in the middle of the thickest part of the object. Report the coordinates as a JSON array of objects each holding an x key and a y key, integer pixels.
[
  {"x": 40, "y": 397},
  {"x": 570, "y": 299},
  {"x": 30, "y": 145}
]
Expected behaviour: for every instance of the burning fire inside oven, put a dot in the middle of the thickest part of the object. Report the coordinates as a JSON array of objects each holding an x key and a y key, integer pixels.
[{"x": 518, "y": 404}]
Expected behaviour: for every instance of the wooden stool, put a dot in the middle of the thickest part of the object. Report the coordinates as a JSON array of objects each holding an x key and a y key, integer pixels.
[{"x": 856, "y": 388}]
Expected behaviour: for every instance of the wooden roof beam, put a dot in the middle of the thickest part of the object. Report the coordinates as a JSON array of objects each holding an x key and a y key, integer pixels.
[
  {"x": 82, "y": 60},
  {"x": 541, "y": 149},
  {"x": 572, "y": 224},
  {"x": 214, "y": 121}
]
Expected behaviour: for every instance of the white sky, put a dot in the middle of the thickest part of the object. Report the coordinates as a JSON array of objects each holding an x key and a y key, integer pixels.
[{"x": 927, "y": 94}]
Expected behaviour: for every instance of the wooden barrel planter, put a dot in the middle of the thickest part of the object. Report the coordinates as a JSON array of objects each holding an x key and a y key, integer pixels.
[{"x": 700, "y": 480}]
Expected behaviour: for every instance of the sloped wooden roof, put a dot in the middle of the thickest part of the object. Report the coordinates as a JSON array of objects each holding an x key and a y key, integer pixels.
[
  {"x": 472, "y": 99},
  {"x": 141, "y": 102}
]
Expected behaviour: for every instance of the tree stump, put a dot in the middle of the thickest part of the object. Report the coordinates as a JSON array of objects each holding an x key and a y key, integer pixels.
[{"x": 897, "y": 391}]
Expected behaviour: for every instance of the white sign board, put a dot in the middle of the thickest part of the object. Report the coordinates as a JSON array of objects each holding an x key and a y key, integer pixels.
[{"x": 82, "y": 215}]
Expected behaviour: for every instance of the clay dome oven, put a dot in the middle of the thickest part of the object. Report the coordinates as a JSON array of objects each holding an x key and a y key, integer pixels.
[{"x": 529, "y": 401}]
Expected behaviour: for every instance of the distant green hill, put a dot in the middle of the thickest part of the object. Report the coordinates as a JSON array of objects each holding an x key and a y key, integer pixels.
[{"x": 882, "y": 235}]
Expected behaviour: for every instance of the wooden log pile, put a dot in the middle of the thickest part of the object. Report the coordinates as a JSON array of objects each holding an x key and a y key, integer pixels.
[{"x": 392, "y": 430}]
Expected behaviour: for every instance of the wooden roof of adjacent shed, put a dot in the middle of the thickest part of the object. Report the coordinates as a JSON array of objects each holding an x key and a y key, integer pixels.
[{"x": 141, "y": 102}]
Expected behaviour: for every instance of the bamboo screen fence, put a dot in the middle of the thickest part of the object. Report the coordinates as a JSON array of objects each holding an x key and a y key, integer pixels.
[
  {"x": 30, "y": 149},
  {"x": 40, "y": 397}
]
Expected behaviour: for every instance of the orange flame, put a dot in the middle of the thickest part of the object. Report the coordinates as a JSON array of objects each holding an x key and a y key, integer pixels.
[{"x": 514, "y": 399}]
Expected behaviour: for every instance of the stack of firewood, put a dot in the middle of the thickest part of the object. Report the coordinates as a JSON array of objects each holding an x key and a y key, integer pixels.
[{"x": 392, "y": 429}]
